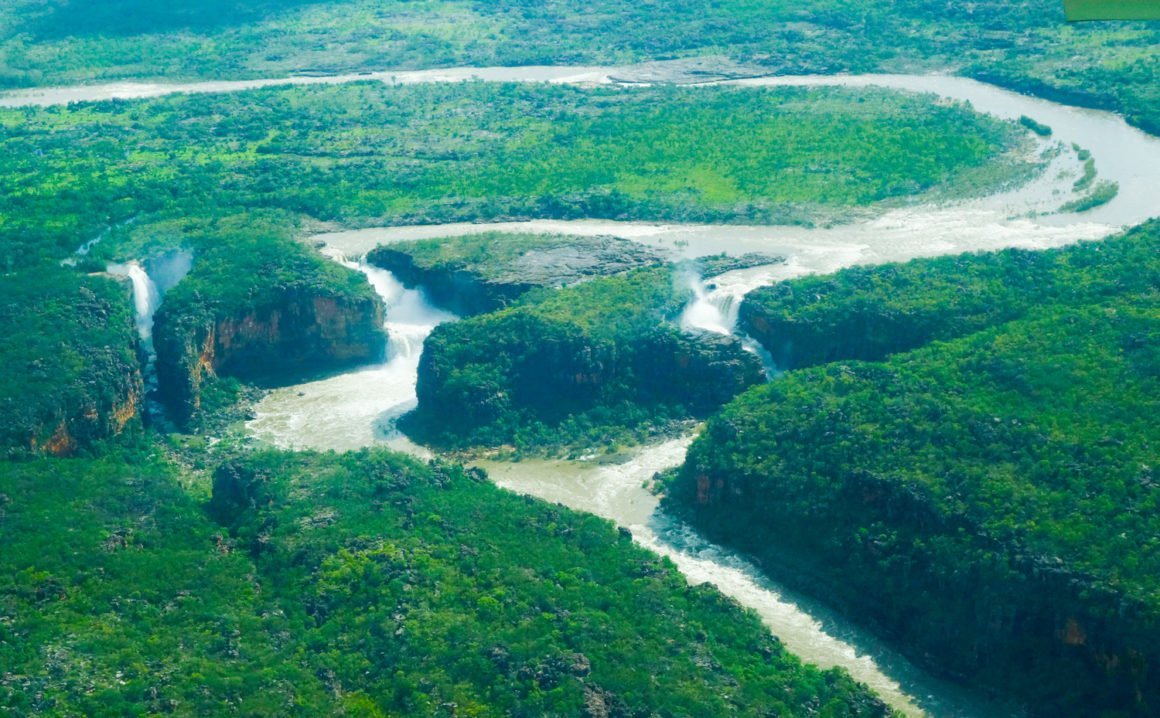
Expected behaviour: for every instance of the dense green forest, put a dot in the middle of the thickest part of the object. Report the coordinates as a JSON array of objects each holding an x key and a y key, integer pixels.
[
  {"x": 871, "y": 312},
  {"x": 365, "y": 584},
  {"x": 588, "y": 365},
  {"x": 987, "y": 500},
  {"x": 961, "y": 455},
  {"x": 1027, "y": 46},
  {"x": 368, "y": 154},
  {"x": 71, "y": 374}
]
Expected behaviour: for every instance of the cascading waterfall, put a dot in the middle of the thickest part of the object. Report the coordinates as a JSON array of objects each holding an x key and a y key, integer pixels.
[
  {"x": 712, "y": 310},
  {"x": 146, "y": 300},
  {"x": 169, "y": 269},
  {"x": 715, "y": 309},
  {"x": 357, "y": 408}
]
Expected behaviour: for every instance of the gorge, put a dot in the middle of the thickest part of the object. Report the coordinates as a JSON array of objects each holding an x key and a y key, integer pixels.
[{"x": 358, "y": 408}]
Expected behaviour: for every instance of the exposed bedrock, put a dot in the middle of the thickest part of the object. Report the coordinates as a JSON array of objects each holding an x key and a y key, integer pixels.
[
  {"x": 482, "y": 273},
  {"x": 297, "y": 333},
  {"x": 74, "y": 377}
]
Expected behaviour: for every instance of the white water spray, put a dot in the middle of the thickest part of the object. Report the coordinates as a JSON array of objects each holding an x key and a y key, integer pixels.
[
  {"x": 712, "y": 310},
  {"x": 146, "y": 300},
  {"x": 170, "y": 269},
  {"x": 715, "y": 308}
]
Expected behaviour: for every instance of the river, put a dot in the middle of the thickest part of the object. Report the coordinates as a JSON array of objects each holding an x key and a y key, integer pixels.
[{"x": 357, "y": 408}]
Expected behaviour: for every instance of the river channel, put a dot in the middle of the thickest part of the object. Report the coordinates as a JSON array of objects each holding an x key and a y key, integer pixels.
[{"x": 358, "y": 408}]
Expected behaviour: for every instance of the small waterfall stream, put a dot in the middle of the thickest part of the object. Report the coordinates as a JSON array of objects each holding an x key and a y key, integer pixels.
[
  {"x": 148, "y": 291},
  {"x": 357, "y": 408},
  {"x": 146, "y": 301},
  {"x": 717, "y": 304}
]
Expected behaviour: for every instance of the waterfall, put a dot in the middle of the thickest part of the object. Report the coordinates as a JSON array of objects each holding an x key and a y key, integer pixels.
[
  {"x": 168, "y": 269},
  {"x": 360, "y": 407},
  {"x": 410, "y": 315},
  {"x": 715, "y": 308},
  {"x": 146, "y": 300},
  {"x": 712, "y": 309}
]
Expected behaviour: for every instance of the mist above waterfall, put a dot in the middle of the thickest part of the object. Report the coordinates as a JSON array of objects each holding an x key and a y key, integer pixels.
[
  {"x": 149, "y": 288},
  {"x": 167, "y": 269},
  {"x": 716, "y": 305},
  {"x": 711, "y": 310}
]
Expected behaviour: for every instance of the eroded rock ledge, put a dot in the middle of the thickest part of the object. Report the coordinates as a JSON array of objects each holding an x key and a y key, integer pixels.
[{"x": 481, "y": 273}]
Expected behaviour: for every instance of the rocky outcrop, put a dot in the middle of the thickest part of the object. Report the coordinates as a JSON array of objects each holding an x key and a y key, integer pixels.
[
  {"x": 478, "y": 384},
  {"x": 701, "y": 371},
  {"x": 468, "y": 281},
  {"x": 462, "y": 291},
  {"x": 298, "y": 333},
  {"x": 88, "y": 418},
  {"x": 796, "y": 341}
]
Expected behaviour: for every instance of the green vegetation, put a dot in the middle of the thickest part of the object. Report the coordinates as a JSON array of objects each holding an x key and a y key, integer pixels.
[
  {"x": 871, "y": 312},
  {"x": 1037, "y": 127},
  {"x": 1089, "y": 172},
  {"x": 369, "y": 154},
  {"x": 252, "y": 259},
  {"x": 71, "y": 373},
  {"x": 483, "y": 272},
  {"x": 1079, "y": 10},
  {"x": 260, "y": 306},
  {"x": 1101, "y": 194},
  {"x": 590, "y": 364},
  {"x": 1027, "y": 46},
  {"x": 988, "y": 500},
  {"x": 365, "y": 584}
]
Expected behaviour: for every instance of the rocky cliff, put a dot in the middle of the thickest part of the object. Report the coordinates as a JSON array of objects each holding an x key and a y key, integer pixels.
[
  {"x": 481, "y": 273},
  {"x": 72, "y": 348},
  {"x": 988, "y": 502},
  {"x": 295, "y": 333},
  {"x": 978, "y": 609},
  {"x": 869, "y": 313},
  {"x": 519, "y": 376}
]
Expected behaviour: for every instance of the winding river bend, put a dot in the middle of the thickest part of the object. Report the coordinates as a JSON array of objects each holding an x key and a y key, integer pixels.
[{"x": 357, "y": 408}]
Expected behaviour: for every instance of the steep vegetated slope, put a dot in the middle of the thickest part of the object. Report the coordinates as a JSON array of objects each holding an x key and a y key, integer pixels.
[
  {"x": 365, "y": 584},
  {"x": 580, "y": 365},
  {"x": 71, "y": 374},
  {"x": 872, "y": 312},
  {"x": 988, "y": 500}
]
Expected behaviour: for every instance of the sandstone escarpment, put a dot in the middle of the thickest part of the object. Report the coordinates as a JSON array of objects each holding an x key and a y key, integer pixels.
[
  {"x": 91, "y": 419},
  {"x": 297, "y": 333},
  {"x": 997, "y": 614},
  {"x": 482, "y": 383}
]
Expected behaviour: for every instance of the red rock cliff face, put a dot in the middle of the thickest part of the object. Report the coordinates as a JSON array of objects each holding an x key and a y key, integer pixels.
[
  {"x": 296, "y": 335},
  {"x": 102, "y": 416}
]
